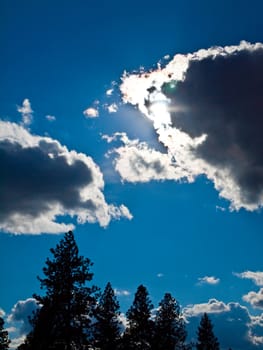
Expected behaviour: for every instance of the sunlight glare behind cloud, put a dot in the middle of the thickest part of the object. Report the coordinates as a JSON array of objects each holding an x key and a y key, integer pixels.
[{"x": 200, "y": 115}]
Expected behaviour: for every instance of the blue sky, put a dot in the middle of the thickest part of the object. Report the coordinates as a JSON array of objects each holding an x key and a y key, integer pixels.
[{"x": 59, "y": 58}]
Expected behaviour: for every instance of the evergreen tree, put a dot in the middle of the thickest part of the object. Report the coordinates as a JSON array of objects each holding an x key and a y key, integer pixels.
[
  {"x": 139, "y": 334},
  {"x": 170, "y": 332},
  {"x": 206, "y": 338},
  {"x": 4, "y": 339},
  {"x": 107, "y": 326},
  {"x": 63, "y": 320}
]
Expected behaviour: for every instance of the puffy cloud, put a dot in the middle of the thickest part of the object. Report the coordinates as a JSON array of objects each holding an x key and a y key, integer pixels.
[
  {"x": 228, "y": 320},
  {"x": 116, "y": 136},
  {"x": 18, "y": 320},
  {"x": 44, "y": 180},
  {"x": 206, "y": 108},
  {"x": 91, "y": 112},
  {"x": 208, "y": 280},
  {"x": 112, "y": 108},
  {"x": 136, "y": 162},
  {"x": 255, "y": 298},
  {"x": 255, "y": 276},
  {"x": 21, "y": 312},
  {"x": 109, "y": 92},
  {"x": 256, "y": 330},
  {"x": 213, "y": 306},
  {"x": 50, "y": 118},
  {"x": 26, "y": 112},
  {"x": 16, "y": 342}
]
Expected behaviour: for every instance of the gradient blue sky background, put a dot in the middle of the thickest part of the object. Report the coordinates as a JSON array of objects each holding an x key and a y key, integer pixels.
[{"x": 62, "y": 56}]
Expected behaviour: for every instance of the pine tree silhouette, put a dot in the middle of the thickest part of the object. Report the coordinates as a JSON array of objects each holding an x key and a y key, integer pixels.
[
  {"x": 206, "y": 338},
  {"x": 63, "y": 321},
  {"x": 139, "y": 334},
  {"x": 107, "y": 326},
  {"x": 4, "y": 338},
  {"x": 170, "y": 332}
]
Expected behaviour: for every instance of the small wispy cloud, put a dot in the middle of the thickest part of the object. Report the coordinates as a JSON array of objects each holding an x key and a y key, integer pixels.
[
  {"x": 122, "y": 292},
  {"x": 208, "y": 280},
  {"x": 91, "y": 112},
  {"x": 111, "y": 138},
  {"x": 160, "y": 275},
  {"x": 113, "y": 108},
  {"x": 219, "y": 208},
  {"x": 2, "y": 313},
  {"x": 109, "y": 92},
  {"x": 26, "y": 112},
  {"x": 255, "y": 276},
  {"x": 50, "y": 118}
]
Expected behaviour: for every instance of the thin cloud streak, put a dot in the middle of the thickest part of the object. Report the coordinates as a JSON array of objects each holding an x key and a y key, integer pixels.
[
  {"x": 208, "y": 280},
  {"x": 255, "y": 276},
  {"x": 26, "y": 112}
]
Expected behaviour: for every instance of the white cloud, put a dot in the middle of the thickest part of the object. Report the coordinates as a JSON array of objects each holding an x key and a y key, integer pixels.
[
  {"x": 208, "y": 280},
  {"x": 255, "y": 298},
  {"x": 63, "y": 183},
  {"x": 255, "y": 276},
  {"x": 116, "y": 136},
  {"x": 228, "y": 320},
  {"x": 91, "y": 112},
  {"x": 145, "y": 91},
  {"x": 119, "y": 212},
  {"x": 112, "y": 108},
  {"x": 20, "y": 313},
  {"x": 122, "y": 292},
  {"x": 160, "y": 275},
  {"x": 219, "y": 208},
  {"x": 109, "y": 92},
  {"x": 50, "y": 118},
  {"x": 26, "y": 112},
  {"x": 213, "y": 306},
  {"x": 16, "y": 342},
  {"x": 2, "y": 313},
  {"x": 255, "y": 333},
  {"x": 123, "y": 322},
  {"x": 136, "y": 162}
]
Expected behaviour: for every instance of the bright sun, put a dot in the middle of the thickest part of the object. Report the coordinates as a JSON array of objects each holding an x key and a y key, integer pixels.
[{"x": 159, "y": 113}]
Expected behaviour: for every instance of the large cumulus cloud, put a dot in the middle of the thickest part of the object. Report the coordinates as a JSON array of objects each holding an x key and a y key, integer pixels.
[
  {"x": 137, "y": 162},
  {"x": 234, "y": 326},
  {"x": 255, "y": 299},
  {"x": 207, "y": 110},
  {"x": 21, "y": 312},
  {"x": 221, "y": 97},
  {"x": 41, "y": 180}
]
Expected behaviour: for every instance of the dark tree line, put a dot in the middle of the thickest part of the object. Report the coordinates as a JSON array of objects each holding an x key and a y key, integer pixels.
[
  {"x": 4, "y": 338},
  {"x": 74, "y": 316}
]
